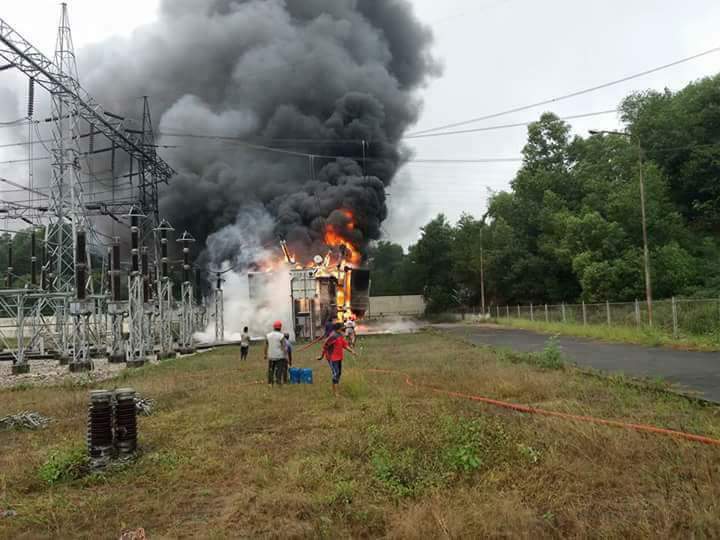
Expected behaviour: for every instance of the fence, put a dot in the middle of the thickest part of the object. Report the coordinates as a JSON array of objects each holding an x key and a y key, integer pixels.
[{"x": 678, "y": 316}]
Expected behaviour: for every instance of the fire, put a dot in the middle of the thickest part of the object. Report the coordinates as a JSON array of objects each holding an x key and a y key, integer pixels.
[
  {"x": 338, "y": 263},
  {"x": 334, "y": 239}
]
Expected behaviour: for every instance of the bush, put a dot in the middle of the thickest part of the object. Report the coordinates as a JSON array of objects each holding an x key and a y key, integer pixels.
[
  {"x": 64, "y": 465},
  {"x": 551, "y": 357}
]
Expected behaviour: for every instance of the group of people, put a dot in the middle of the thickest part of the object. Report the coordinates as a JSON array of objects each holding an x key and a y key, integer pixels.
[{"x": 339, "y": 337}]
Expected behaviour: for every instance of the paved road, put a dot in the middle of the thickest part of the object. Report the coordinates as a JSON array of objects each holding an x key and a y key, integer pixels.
[{"x": 694, "y": 372}]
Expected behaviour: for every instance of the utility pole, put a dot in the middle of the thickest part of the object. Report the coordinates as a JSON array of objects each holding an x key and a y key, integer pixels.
[
  {"x": 643, "y": 213},
  {"x": 646, "y": 251},
  {"x": 482, "y": 270}
]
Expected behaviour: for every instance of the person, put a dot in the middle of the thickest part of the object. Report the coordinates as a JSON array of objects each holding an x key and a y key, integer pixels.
[
  {"x": 275, "y": 354},
  {"x": 334, "y": 352},
  {"x": 288, "y": 361},
  {"x": 351, "y": 330},
  {"x": 244, "y": 343}
]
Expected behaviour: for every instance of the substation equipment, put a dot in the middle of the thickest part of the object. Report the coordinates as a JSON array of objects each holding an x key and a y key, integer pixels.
[{"x": 74, "y": 307}]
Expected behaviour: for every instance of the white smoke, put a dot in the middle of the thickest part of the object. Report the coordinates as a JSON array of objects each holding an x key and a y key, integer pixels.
[
  {"x": 239, "y": 247},
  {"x": 258, "y": 313}
]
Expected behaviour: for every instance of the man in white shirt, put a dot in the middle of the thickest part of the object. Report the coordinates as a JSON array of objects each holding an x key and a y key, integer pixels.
[
  {"x": 350, "y": 330},
  {"x": 244, "y": 343},
  {"x": 276, "y": 354}
]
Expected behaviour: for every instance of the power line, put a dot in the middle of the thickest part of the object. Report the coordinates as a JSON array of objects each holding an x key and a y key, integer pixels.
[
  {"x": 568, "y": 96},
  {"x": 506, "y": 126}
]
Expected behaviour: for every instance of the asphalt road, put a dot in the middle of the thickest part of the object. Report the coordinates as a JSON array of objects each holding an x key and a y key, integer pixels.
[{"x": 697, "y": 373}]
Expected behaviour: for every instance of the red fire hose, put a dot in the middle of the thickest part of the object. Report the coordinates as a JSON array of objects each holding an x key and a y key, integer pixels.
[{"x": 565, "y": 416}]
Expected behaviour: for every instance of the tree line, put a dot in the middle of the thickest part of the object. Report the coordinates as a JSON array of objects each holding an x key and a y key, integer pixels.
[{"x": 570, "y": 227}]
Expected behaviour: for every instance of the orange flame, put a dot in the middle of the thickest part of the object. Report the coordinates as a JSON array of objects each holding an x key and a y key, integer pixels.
[{"x": 333, "y": 238}]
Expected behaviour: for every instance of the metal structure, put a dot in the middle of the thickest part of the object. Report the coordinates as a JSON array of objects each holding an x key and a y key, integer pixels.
[
  {"x": 219, "y": 311},
  {"x": 187, "y": 319},
  {"x": 164, "y": 295},
  {"x": 58, "y": 312},
  {"x": 117, "y": 309},
  {"x": 137, "y": 343}
]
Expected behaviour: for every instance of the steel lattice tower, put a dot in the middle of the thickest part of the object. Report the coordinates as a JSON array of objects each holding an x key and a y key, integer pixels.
[{"x": 66, "y": 193}]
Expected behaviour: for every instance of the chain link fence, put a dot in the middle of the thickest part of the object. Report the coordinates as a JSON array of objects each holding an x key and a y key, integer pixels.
[{"x": 678, "y": 316}]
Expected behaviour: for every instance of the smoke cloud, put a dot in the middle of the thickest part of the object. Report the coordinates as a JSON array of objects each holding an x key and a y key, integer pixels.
[{"x": 299, "y": 76}]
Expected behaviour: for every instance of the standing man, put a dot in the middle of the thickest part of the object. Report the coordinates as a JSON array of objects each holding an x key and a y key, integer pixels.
[
  {"x": 288, "y": 362},
  {"x": 334, "y": 351},
  {"x": 351, "y": 329},
  {"x": 275, "y": 354},
  {"x": 244, "y": 343}
]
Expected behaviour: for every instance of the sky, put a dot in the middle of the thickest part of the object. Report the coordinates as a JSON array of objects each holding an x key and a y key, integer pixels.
[{"x": 496, "y": 55}]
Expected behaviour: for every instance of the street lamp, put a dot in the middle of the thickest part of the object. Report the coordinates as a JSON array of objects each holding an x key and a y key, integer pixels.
[{"x": 646, "y": 252}]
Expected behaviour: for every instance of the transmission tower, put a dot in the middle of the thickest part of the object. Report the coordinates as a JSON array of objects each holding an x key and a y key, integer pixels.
[{"x": 67, "y": 218}]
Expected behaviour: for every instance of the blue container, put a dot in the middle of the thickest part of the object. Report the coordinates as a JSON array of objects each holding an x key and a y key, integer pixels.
[
  {"x": 295, "y": 375},
  {"x": 306, "y": 376}
]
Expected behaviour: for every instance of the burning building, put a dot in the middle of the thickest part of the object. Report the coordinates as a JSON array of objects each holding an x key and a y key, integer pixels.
[{"x": 329, "y": 287}]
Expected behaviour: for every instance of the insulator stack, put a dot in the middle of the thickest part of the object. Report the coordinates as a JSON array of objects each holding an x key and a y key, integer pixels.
[
  {"x": 125, "y": 421},
  {"x": 100, "y": 426},
  {"x": 45, "y": 272},
  {"x": 135, "y": 243},
  {"x": 164, "y": 253},
  {"x": 219, "y": 282},
  {"x": 108, "y": 272},
  {"x": 198, "y": 287},
  {"x": 116, "y": 270},
  {"x": 186, "y": 263},
  {"x": 33, "y": 259},
  {"x": 147, "y": 294},
  {"x": 10, "y": 269},
  {"x": 31, "y": 98},
  {"x": 81, "y": 265}
]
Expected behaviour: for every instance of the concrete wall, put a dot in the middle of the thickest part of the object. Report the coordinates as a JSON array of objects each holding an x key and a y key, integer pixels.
[{"x": 392, "y": 306}]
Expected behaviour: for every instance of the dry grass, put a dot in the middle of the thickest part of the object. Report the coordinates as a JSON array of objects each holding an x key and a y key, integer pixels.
[
  {"x": 224, "y": 460},
  {"x": 649, "y": 337}
]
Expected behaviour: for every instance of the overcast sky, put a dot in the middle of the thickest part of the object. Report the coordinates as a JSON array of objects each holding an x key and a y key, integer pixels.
[{"x": 497, "y": 55}]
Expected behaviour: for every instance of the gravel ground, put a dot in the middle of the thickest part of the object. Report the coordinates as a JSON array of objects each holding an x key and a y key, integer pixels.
[{"x": 51, "y": 373}]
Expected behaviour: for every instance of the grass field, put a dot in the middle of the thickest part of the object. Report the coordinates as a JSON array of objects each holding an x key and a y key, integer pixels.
[
  {"x": 221, "y": 459},
  {"x": 646, "y": 336}
]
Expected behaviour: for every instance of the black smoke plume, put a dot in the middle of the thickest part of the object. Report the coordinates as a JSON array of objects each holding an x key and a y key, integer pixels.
[{"x": 298, "y": 76}]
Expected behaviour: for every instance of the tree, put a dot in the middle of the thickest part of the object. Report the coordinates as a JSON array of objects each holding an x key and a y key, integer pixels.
[{"x": 432, "y": 257}]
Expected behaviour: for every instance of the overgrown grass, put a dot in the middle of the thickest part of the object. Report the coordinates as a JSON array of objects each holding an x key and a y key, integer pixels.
[
  {"x": 220, "y": 459},
  {"x": 646, "y": 336}
]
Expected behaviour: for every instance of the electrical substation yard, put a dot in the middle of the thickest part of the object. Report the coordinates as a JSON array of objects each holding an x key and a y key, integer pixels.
[{"x": 221, "y": 455}]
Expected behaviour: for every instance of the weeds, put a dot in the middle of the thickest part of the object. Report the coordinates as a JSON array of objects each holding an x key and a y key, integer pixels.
[
  {"x": 551, "y": 356},
  {"x": 223, "y": 460},
  {"x": 64, "y": 465}
]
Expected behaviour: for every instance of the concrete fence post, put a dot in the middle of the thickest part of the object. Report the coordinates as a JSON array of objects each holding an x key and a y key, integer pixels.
[
  {"x": 584, "y": 313},
  {"x": 637, "y": 314},
  {"x": 497, "y": 310},
  {"x": 563, "y": 313},
  {"x": 674, "y": 317},
  {"x": 532, "y": 313},
  {"x": 507, "y": 312},
  {"x": 547, "y": 317},
  {"x": 519, "y": 315},
  {"x": 609, "y": 319}
]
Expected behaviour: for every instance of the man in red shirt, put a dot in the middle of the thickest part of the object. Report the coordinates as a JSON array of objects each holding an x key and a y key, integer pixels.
[{"x": 334, "y": 351}]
